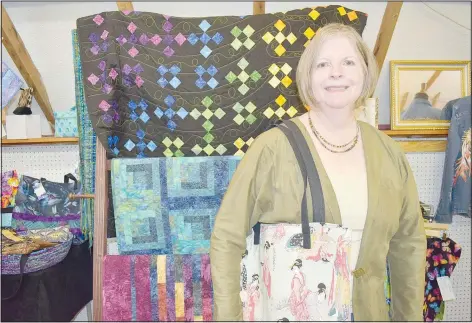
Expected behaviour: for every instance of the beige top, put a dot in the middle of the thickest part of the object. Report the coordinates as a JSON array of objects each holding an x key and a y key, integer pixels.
[{"x": 267, "y": 187}]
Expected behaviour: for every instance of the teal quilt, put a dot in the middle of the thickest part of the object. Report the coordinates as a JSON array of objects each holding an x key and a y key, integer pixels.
[{"x": 168, "y": 205}]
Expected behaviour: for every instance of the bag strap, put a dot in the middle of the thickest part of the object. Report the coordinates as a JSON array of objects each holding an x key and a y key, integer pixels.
[
  {"x": 23, "y": 260},
  {"x": 71, "y": 177},
  {"x": 305, "y": 159},
  {"x": 317, "y": 196},
  {"x": 304, "y": 208}
]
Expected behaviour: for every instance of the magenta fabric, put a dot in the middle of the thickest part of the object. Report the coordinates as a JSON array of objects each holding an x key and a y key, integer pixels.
[{"x": 157, "y": 288}]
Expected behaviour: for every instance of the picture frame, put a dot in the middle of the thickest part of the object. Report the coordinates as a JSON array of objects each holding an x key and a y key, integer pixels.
[{"x": 422, "y": 93}]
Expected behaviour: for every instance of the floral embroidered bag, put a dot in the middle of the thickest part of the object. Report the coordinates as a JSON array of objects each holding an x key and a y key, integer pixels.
[{"x": 298, "y": 272}]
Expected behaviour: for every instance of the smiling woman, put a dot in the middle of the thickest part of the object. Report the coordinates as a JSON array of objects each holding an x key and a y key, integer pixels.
[
  {"x": 343, "y": 49},
  {"x": 361, "y": 176}
]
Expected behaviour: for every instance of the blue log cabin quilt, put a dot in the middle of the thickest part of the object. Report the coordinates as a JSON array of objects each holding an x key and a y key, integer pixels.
[
  {"x": 164, "y": 86},
  {"x": 168, "y": 205}
]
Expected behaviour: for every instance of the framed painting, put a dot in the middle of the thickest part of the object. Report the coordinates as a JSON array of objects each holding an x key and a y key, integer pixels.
[{"x": 422, "y": 93}]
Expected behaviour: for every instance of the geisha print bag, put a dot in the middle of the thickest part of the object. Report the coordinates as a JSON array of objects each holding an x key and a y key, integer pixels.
[{"x": 298, "y": 272}]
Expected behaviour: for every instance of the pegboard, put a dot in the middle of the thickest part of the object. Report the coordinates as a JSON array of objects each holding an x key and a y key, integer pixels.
[
  {"x": 428, "y": 171},
  {"x": 49, "y": 161},
  {"x": 53, "y": 161}
]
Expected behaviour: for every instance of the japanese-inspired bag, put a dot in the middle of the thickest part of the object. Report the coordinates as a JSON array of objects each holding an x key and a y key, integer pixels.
[
  {"x": 298, "y": 272},
  {"x": 44, "y": 204}
]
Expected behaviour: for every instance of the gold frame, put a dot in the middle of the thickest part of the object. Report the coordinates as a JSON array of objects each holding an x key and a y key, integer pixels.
[{"x": 419, "y": 126}]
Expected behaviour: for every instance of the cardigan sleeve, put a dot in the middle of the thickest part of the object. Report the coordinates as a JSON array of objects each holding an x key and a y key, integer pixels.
[
  {"x": 249, "y": 194},
  {"x": 407, "y": 253}
]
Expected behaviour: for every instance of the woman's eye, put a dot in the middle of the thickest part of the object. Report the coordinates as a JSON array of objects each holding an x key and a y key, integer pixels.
[
  {"x": 321, "y": 65},
  {"x": 349, "y": 62}
]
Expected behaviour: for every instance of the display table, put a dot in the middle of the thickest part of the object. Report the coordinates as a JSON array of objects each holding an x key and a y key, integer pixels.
[{"x": 56, "y": 294}]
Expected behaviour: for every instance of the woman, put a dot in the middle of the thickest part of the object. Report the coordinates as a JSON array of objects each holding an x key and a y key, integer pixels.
[
  {"x": 367, "y": 184},
  {"x": 300, "y": 293}
]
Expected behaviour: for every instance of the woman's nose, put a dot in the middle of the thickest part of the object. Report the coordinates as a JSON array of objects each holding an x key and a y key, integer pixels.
[{"x": 336, "y": 72}]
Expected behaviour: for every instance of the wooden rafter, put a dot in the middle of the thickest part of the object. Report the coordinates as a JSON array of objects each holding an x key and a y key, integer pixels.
[
  {"x": 125, "y": 5},
  {"x": 258, "y": 7},
  {"x": 403, "y": 102},
  {"x": 432, "y": 79},
  {"x": 20, "y": 56},
  {"x": 389, "y": 21},
  {"x": 435, "y": 99}
]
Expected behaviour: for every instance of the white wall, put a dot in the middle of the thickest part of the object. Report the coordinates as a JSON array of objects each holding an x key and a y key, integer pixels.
[{"x": 420, "y": 34}]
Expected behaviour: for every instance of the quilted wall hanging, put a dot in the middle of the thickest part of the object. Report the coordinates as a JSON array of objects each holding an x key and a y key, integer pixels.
[
  {"x": 165, "y": 288},
  {"x": 168, "y": 205},
  {"x": 162, "y": 86}
]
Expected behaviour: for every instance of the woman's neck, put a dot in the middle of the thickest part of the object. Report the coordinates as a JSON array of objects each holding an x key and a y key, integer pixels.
[{"x": 335, "y": 122}]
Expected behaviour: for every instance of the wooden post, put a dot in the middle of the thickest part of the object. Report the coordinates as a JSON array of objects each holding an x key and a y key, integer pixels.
[
  {"x": 125, "y": 5},
  {"x": 99, "y": 228},
  {"x": 389, "y": 21},
  {"x": 18, "y": 53},
  {"x": 258, "y": 7}
]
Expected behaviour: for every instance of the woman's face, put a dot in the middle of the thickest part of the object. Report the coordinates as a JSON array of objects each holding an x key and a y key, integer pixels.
[{"x": 337, "y": 76}]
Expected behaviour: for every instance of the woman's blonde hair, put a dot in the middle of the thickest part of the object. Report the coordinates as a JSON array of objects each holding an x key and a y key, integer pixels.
[{"x": 307, "y": 62}]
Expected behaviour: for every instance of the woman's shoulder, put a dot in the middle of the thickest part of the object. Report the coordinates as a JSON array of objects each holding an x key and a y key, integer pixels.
[
  {"x": 272, "y": 140},
  {"x": 380, "y": 140}
]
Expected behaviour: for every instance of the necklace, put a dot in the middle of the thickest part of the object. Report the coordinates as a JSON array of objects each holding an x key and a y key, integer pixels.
[{"x": 350, "y": 145}]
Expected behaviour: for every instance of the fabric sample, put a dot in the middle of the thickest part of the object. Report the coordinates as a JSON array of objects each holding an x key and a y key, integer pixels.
[
  {"x": 87, "y": 144},
  {"x": 66, "y": 123},
  {"x": 10, "y": 183},
  {"x": 11, "y": 84},
  {"x": 157, "y": 288},
  {"x": 168, "y": 205},
  {"x": 441, "y": 258},
  {"x": 162, "y": 86}
]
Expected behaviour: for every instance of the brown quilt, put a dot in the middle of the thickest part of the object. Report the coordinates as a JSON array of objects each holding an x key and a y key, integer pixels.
[{"x": 157, "y": 85}]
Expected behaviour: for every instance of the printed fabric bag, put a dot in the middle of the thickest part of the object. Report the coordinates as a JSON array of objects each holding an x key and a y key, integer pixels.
[
  {"x": 298, "y": 272},
  {"x": 42, "y": 204}
]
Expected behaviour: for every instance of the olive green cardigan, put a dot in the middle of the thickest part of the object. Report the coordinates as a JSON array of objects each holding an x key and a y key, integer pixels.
[{"x": 267, "y": 187}]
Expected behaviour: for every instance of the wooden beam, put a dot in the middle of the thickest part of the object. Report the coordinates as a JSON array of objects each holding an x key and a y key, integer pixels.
[
  {"x": 432, "y": 79},
  {"x": 41, "y": 141},
  {"x": 258, "y": 7},
  {"x": 99, "y": 228},
  {"x": 389, "y": 21},
  {"x": 415, "y": 133},
  {"x": 403, "y": 102},
  {"x": 20, "y": 56},
  {"x": 423, "y": 146},
  {"x": 435, "y": 99},
  {"x": 125, "y": 5}
]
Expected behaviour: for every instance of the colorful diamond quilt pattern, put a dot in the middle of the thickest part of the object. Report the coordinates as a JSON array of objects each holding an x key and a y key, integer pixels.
[{"x": 183, "y": 86}]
